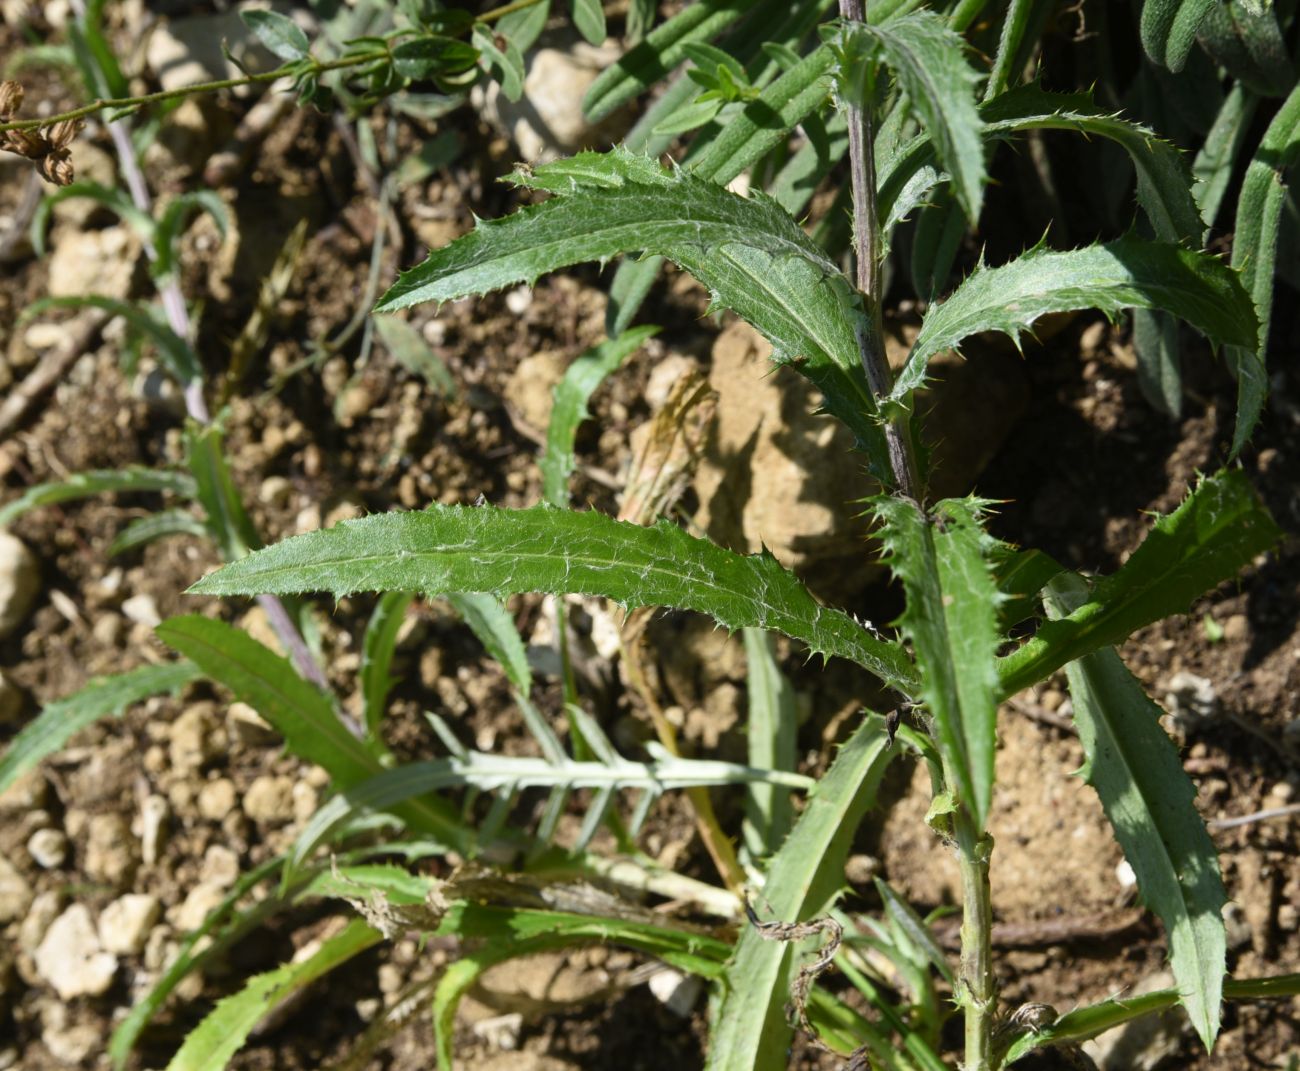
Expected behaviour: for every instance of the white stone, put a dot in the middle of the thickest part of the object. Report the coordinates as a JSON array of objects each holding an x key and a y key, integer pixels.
[
  {"x": 248, "y": 726},
  {"x": 71, "y": 959},
  {"x": 20, "y": 580},
  {"x": 124, "y": 924},
  {"x": 94, "y": 262},
  {"x": 48, "y": 848},
  {"x": 110, "y": 849},
  {"x": 154, "y": 813},
  {"x": 220, "y": 866},
  {"x": 44, "y": 910},
  {"x": 198, "y": 905},
  {"x": 142, "y": 610},
  {"x": 676, "y": 991},
  {"x": 191, "y": 739},
  {"x": 217, "y": 799},
  {"x": 15, "y": 893},
  {"x": 1124, "y": 874},
  {"x": 269, "y": 800}
]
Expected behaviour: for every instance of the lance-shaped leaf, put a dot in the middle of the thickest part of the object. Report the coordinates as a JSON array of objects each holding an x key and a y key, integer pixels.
[
  {"x": 1217, "y": 531},
  {"x": 461, "y": 548},
  {"x": 1128, "y": 273},
  {"x": 1254, "y": 251},
  {"x": 951, "y": 617},
  {"x": 101, "y": 698},
  {"x": 1162, "y": 186},
  {"x": 1149, "y": 800},
  {"x": 753, "y": 257},
  {"x": 1169, "y": 29},
  {"x": 377, "y": 648},
  {"x": 751, "y": 1032},
  {"x": 929, "y": 62},
  {"x": 85, "y": 484}
]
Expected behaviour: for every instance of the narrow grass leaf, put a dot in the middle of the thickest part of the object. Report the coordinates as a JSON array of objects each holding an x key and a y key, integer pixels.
[
  {"x": 167, "y": 522},
  {"x": 98, "y": 481},
  {"x": 580, "y": 381},
  {"x": 1254, "y": 253},
  {"x": 770, "y": 730},
  {"x": 1169, "y": 27},
  {"x": 1217, "y": 531},
  {"x": 1128, "y": 273},
  {"x": 228, "y": 521},
  {"x": 408, "y": 347},
  {"x": 495, "y": 628},
  {"x": 377, "y": 648},
  {"x": 298, "y": 710},
  {"x": 929, "y": 62},
  {"x": 459, "y": 548},
  {"x": 103, "y": 697},
  {"x": 211, "y": 1044},
  {"x": 119, "y": 201},
  {"x": 944, "y": 563},
  {"x": 1150, "y": 802},
  {"x": 750, "y": 254},
  {"x": 751, "y": 1032}
]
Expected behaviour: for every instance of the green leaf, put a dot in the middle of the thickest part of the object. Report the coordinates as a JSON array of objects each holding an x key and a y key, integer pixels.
[
  {"x": 103, "y": 697},
  {"x": 943, "y": 562},
  {"x": 377, "y": 657},
  {"x": 1021, "y": 575},
  {"x": 1217, "y": 159},
  {"x": 1155, "y": 340},
  {"x": 280, "y": 34},
  {"x": 97, "y": 481},
  {"x": 523, "y": 27},
  {"x": 211, "y": 1044},
  {"x": 228, "y": 521},
  {"x": 174, "y": 352},
  {"x": 460, "y": 548},
  {"x": 1251, "y": 46},
  {"x": 929, "y": 62},
  {"x": 158, "y": 525},
  {"x": 661, "y": 51},
  {"x": 751, "y": 1032},
  {"x": 1150, "y": 802},
  {"x": 770, "y": 729},
  {"x": 580, "y": 381},
  {"x": 496, "y": 631},
  {"x": 298, "y": 710},
  {"x": 1254, "y": 253},
  {"x": 111, "y": 197},
  {"x": 1169, "y": 29},
  {"x": 425, "y": 57},
  {"x": 174, "y": 219},
  {"x": 507, "y": 61},
  {"x": 750, "y": 254},
  {"x": 1218, "y": 530},
  {"x": 589, "y": 18},
  {"x": 413, "y": 353},
  {"x": 1128, "y": 273}
]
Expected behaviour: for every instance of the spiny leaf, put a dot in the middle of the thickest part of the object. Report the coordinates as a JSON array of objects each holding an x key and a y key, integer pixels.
[
  {"x": 1149, "y": 801},
  {"x": 85, "y": 484},
  {"x": 951, "y": 618},
  {"x": 1254, "y": 252},
  {"x": 102, "y": 697},
  {"x": 211, "y": 1044},
  {"x": 929, "y": 61},
  {"x": 1128, "y": 273},
  {"x": 748, "y": 251},
  {"x": 1217, "y": 531},
  {"x": 459, "y": 548},
  {"x": 751, "y": 1031}
]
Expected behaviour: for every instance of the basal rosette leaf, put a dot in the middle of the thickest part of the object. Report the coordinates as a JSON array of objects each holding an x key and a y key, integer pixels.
[
  {"x": 459, "y": 548},
  {"x": 1128, "y": 273},
  {"x": 751, "y": 255}
]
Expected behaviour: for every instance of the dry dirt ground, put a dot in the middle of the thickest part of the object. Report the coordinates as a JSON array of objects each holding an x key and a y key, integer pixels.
[{"x": 1064, "y": 441}]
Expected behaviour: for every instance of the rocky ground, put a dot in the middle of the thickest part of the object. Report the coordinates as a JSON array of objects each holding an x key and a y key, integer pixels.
[{"x": 125, "y": 840}]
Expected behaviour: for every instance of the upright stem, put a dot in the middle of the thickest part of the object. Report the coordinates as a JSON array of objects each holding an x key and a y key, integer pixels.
[
  {"x": 977, "y": 984},
  {"x": 866, "y": 233}
]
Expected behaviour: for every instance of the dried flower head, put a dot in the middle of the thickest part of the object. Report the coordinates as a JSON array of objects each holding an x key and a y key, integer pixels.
[{"x": 48, "y": 148}]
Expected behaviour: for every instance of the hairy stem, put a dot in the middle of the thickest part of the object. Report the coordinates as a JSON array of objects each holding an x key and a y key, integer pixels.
[{"x": 977, "y": 990}]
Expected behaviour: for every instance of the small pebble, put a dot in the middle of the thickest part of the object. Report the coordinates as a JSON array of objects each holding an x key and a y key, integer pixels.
[
  {"x": 217, "y": 799},
  {"x": 110, "y": 849},
  {"x": 124, "y": 924},
  {"x": 48, "y": 848},
  {"x": 220, "y": 866},
  {"x": 1124, "y": 874},
  {"x": 71, "y": 959},
  {"x": 269, "y": 800},
  {"x": 154, "y": 814},
  {"x": 15, "y": 893},
  {"x": 192, "y": 742},
  {"x": 142, "y": 610},
  {"x": 246, "y": 726}
]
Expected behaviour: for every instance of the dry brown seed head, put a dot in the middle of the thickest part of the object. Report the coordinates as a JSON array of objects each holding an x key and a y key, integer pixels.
[{"x": 11, "y": 100}]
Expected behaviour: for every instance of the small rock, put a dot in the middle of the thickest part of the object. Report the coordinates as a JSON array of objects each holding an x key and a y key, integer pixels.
[
  {"x": 269, "y": 800},
  {"x": 20, "y": 580},
  {"x": 44, "y": 910},
  {"x": 142, "y": 610},
  {"x": 677, "y": 992},
  {"x": 110, "y": 849},
  {"x": 305, "y": 801},
  {"x": 349, "y": 509},
  {"x": 220, "y": 867},
  {"x": 15, "y": 893},
  {"x": 275, "y": 491},
  {"x": 154, "y": 813},
  {"x": 48, "y": 848},
  {"x": 25, "y": 794},
  {"x": 94, "y": 262},
  {"x": 528, "y": 390},
  {"x": 124, "y": 924},
  {"x": 71, "y": 959},
  {"x": 197, "y": 906},
  {"x": 248, "y": 727},
  {"x": 1124, "y": 874},
  {"x": 217, "y": 799},
  {"x": 107, "y": 629},
  {"x": 69, "y": 1043},
  {"x": 192, "y": 741},
  {"x": 1191, "y": 701},
  {"x": 1237, "y": 627}
]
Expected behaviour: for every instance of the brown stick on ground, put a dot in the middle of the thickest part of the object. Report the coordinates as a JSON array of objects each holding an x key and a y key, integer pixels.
[{"x": 51, "y": 368}]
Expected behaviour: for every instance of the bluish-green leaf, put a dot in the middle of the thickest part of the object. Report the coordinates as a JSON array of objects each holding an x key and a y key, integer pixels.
[
  {"x": 496, "y": 631},
  {"x": 751, "y": 255},
  {"x": 458, "y": 548},
  {"x": 751, "y": 1031},
  {"x": 167, "y": 522},
  {"x": 1217, "y": 531},
  {"x": 280, "y": 34},
  {"x": 1150, "y": 802},
  {"x": 770, "y": 729},
  {"x": 589, "y": 18},
  {"x": 103, "y": 697},
  {"x": 580, "y": 380},
  {"x": 97, "y": 481},
  {"x": 507, "y": 61},
  {"x": 409, "y": 348},
  {"x": 943, "y": 560},
  {"x": 426, "y": 57},
  {"x": 1213, "y": 167},
  {"x": 1127, "y": 273},
  {"x": 1155, "y": 341}
]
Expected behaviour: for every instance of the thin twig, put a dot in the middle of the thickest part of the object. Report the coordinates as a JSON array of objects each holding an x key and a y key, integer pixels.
[{"x": 1257, "y": 816}]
